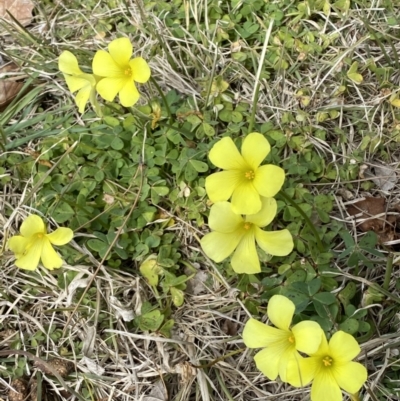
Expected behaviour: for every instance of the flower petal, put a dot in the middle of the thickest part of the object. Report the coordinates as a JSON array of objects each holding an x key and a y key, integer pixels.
[
  {"x": 300, "y": 371},
  {"x": 18, "y": 245},
  {"x": 49, "y": 256},
  {"x": 224, "y": 154},
  {"x": 287, "y": 358},
  {"x": 61, "y": 236},
  {"x": 68, "y": 64},
  {"x": 280, "y": 311},
  {"x": 269, "y": 359},
  {"x": 266, "y": 214},
  {"x": 246, "y": 199},
  {"x": 30, "y": 260},
  {"x": 350, "y": 376},
  {"x": 121, "y": 51},
  {"x": 140, "y": 70},
  {"x": 223, "y": 219},
  {"x": 323, "y": 349},
  {"x": 75, "y": 83},
  {"x": 276, "y": 243},
  {"x": 108, "y": 88},
  {"x": 268, "y": 180},
  {"x": 129, "y": 94},
  {"x": 218, "y": 246},
  {"x": 343, "y": 347},
  {"x": 324, "y": 387},
  {"x": 220, "y": 186},
  {"x": 255, "y": 149},
  {"x": 245, "y": 259},
  {"x": 308, "y": 336},
  {"x": 82, "y": 98},
  {"x": 104, "y": 66},
  {"x": 32, "y": 225},
  {"x": 260, "y": 335}
]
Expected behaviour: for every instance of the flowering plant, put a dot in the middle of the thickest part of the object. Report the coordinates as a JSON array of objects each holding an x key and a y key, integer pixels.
[
  {"x": 120, "y": 72},
  {"x": 34, "y": 244},
  {"x": 243, "y": 179},
  {"x": 330, "y": 366},
  {"x": 235, "y": 234},
  {"x": 115, "y": 72},
  {"x": 281, "y": 343},
  {"x": 78, "y": 81}
]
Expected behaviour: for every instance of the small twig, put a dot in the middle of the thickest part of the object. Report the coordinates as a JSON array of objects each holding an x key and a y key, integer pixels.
[{"x": 388, "y": 272}]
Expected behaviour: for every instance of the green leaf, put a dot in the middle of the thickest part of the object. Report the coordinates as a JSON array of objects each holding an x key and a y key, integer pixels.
[
  {"x": 96, "y": 245},
  {"x": 199, "y": 166},
  {"x": 150, "y": 321},
  {"x": 206, "y": 129},
  {"x": 325, "y": 298},
  {"x": 298, "y": 275},
  {"x": 166, "y": 328},
  {"x": 349, "y": 326},
  {"x": 364, "y": 327},
  {"x": 353, "y": 75},
  {"x": 117, "y": 143},
  {"x": 161, "y": 191},
  {"x": 63, "y": 212},
  {"x": 151, "y": 270},
  {"x": 298, "y": 298},
  {"x": 368, "y": 241},
  {"x": 321, "y": 309},
  {"x": 237, "y": 117},
  {"x": 347, "y": 293},
  {"x": 190, "y": 173},
  {"x": 314, "y": 286},
  {"x": 177, "y": 296},
  {"x": 111, "y": 121}
]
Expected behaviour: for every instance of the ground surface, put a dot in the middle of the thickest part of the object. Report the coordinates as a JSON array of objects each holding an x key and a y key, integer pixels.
[{"x": 319, "y": 80}]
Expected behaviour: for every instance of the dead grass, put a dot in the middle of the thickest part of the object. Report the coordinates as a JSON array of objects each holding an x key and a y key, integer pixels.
[{"x": 111, "y": 361}]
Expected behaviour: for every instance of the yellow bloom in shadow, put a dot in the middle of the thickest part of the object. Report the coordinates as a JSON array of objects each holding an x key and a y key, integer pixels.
[
  {"x": 120, "y": 72},
  {"x": 78, "y": 81},
  {"x": 35, "y": 244},
  {"x": 281, "y": 343},
  {"x": 235, "y": 234},
  {"x": 331, "y": 368},
  {"x": 243, "y": 179}
]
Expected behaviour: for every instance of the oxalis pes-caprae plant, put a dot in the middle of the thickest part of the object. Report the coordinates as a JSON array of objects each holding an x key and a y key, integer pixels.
[{"x": 243, "y": 204}]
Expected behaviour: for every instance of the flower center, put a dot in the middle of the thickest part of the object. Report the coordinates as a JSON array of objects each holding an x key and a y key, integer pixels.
[
  {"x": 40, "y": 235},
  {"x": 249, "y": 175},
  {"x": 327, "y": 361},
  {"x": 291, "y": 339},
  {"x": 128, "y": 72},
  {"x": 247, "y": 226}
]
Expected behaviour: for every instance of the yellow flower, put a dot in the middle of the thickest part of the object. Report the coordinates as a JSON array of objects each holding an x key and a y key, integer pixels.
[
  {"x": 244, "y": 179},
  {"x": 120, "y": 72},
  {"x": 232, "y": 232},
  {"x": 331, "y": 367},
  {"x": 34, "y": 244},
  {"x": 282, "y": 343},
  {"x": 77, "y": 80}
]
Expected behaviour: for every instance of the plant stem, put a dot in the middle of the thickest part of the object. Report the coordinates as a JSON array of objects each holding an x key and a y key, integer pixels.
[
  {"x": 164, "y": 99},
  {"x": 257, "y": 83},
  {"x": 306, "y": 218},
  {"x": 223, "y": 387},
  {"x": 388, "y": 272}
]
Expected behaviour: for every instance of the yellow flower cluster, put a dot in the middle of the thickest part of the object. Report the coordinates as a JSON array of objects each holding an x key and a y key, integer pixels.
[
  {"x": 329, "y": 366},
  {"x": 114, "y": 73},
  {"x": 237, "y": 225}
]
